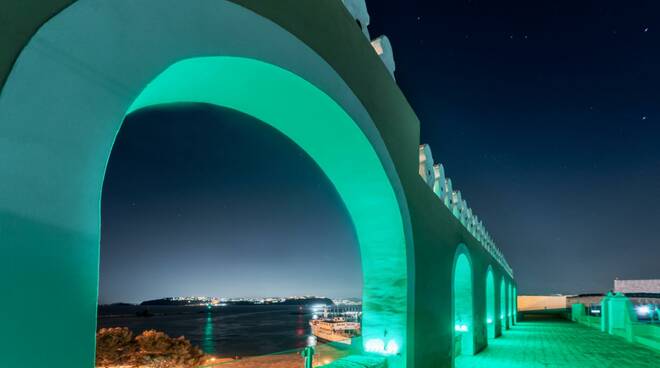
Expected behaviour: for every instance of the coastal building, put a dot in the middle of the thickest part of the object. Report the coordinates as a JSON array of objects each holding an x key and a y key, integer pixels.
[{"x": 637, "y": 286}]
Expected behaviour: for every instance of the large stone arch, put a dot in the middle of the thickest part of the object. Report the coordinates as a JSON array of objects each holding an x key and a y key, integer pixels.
[{"x": 63, "y": 104}]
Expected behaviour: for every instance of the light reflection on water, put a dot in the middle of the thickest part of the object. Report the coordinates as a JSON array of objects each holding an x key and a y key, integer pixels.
[
  {"x": 208, "y": 342},
  {"x": 224, "y": 331}
]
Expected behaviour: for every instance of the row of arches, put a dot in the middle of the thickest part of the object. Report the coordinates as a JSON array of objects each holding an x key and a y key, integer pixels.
[
  {"x": 499, "y": 309},
  {"x": 97, "y": 75}
]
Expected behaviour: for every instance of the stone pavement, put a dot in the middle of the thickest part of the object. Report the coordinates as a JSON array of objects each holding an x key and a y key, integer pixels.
[{"x": 558, "y": 343}]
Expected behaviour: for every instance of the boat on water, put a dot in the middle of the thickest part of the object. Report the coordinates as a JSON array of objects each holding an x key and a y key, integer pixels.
[{"x": 336, "y": 327}]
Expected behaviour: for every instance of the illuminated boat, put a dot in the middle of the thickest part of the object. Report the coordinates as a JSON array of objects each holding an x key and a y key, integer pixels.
[{"x": 334, "y": 329}]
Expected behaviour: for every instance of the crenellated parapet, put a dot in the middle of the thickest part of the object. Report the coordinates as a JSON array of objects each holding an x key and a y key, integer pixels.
[
  {"x": 426, "y": 170},
  {"x": 435, "y": 177},
  {"x": 380, "y": 44},
  {"x": 433, "y": 174},
  {"x": 358, "y": 9},
  {"x": 383, "y": 48}
]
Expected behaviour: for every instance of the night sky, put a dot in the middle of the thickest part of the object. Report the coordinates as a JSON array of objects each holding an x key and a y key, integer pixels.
[
  {"x": 201, "y": 200},
  {"x": 545, "y": 113}
]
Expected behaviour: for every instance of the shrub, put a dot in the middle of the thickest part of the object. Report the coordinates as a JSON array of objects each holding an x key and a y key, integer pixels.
[
  {"x": 159, "y": 350},
  {"x": 116, "y": 346}
]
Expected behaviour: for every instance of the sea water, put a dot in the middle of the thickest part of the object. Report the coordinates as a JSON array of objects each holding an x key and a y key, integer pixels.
[{"x": 228, "y": 331}]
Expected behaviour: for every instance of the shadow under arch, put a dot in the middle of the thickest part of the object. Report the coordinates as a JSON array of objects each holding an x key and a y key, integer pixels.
[
  {"x": 491, "y": 317},
  {"x": 463, "y": 303}
]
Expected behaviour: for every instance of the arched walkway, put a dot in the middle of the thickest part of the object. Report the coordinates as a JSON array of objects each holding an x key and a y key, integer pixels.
[
  {"x": 463, "y": 303},
  {"x": 94, "y": 62},
  {"x": 491, "y": 317}
]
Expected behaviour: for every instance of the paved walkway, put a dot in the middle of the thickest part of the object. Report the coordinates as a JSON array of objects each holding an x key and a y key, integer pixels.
[{"x": 554, "y": 344}]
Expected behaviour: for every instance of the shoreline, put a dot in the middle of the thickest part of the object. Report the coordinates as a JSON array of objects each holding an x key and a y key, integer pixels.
[{"x": 325, "y": 354}]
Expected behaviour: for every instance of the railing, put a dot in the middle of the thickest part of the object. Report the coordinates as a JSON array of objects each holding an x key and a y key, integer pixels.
[{"x": 619, "y": 319}]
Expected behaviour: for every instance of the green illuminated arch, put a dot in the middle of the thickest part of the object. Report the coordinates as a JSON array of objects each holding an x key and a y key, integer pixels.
[
  {"x": 515, "y": 305},
  {"x": 503, "y": 323},
  {"x": 61, "y": 261},
  {"x": 491, "y": 317},
  {"x": 328, "y": 134},
  {"x": 463, "y": 304}
]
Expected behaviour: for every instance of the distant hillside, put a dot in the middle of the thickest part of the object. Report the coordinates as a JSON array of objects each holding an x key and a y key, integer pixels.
[
  {"x": 307, "y": 301},
  {"x": 169, "y": 301},
  {"x": 179, "y": 302}
]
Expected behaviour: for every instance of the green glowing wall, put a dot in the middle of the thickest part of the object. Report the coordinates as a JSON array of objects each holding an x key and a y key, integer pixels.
[
  {"x": 491, "y": 317},
  {"x": 464, "y": 325}
]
